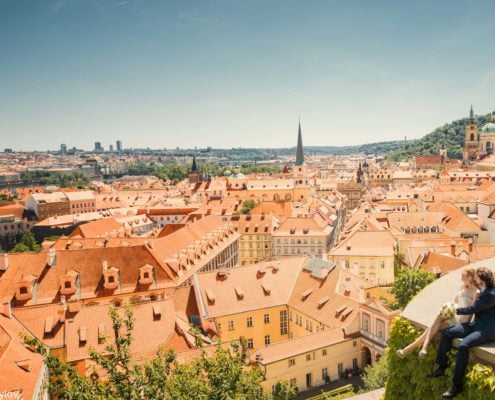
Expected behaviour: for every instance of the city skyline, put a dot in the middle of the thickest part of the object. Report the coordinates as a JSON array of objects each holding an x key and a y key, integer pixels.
[{"x": 166, "y": 75}]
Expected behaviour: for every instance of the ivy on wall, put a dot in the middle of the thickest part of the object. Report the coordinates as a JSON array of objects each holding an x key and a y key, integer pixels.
[{"x": 407, "y": 376}]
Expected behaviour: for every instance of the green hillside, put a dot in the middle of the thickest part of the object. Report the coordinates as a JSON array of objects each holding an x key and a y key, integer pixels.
[{"x": 451, "y": 135}]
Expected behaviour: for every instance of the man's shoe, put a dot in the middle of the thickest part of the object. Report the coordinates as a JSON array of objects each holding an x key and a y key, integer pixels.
[
  {"x": 436, "y": 374},
  {"x": 452, "y": 392}
]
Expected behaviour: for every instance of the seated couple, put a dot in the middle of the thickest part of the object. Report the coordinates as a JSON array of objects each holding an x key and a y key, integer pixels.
[{"x": 473, "y": 332}]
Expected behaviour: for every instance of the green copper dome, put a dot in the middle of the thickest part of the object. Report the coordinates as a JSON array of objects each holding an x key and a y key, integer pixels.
[{"x": 488, "y": 128}]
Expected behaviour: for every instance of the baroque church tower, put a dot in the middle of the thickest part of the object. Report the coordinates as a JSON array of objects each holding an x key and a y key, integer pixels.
[{"x": 471, "y": 141}]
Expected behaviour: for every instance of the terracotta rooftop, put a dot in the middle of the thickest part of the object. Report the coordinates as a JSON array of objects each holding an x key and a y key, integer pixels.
[
  {"x": 218, "y": 296},
  {"x": 99, "y": 228},
  {"x": 20, "y": 368},
  {"x": 91, "y": 327},
  {"x": 88, "y": 264},
  {"x": 374, "y": 243}
]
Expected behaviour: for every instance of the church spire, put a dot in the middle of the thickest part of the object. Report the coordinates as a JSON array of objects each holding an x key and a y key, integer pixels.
[
  {"x": 194, "y": 167},
  {"x": 471, "y": 114},
  {"x": 299, "y": 151}
]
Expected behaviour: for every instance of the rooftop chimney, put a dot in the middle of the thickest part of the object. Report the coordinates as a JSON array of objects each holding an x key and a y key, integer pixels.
[
  {"x": 4, "y": 262},
  {"x": 452, "y": 248},
  {"x": 52, "y": 257}
]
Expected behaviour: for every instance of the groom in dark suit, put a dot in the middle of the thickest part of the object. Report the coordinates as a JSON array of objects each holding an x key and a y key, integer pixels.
[{"x": 480, "y": 331}]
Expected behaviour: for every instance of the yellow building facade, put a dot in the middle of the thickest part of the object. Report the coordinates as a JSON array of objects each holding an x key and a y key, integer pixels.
[
  {"x": 310, "y": 361},
  {"x": 258, "y": 328}
]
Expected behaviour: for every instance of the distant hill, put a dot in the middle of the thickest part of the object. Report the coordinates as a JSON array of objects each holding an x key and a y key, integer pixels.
[{"x": 450, "y": 134}]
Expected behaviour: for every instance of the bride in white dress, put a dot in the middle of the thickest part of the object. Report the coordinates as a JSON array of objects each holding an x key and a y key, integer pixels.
[{"x": 446, "y": 317}]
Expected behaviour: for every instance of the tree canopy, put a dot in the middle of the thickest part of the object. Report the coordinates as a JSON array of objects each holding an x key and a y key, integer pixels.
[
  {"x": 247, "y": 206},
  {"x": 408, "y": 283},
  {"x": 27, "y": 243}
]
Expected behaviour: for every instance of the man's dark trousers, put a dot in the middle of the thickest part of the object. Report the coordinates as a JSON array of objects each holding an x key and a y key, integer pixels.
[{"x": 470, "y": 338}]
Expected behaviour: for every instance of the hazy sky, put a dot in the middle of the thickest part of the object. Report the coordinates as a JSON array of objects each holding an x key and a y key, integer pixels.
[{"x": 239, "y": 73}]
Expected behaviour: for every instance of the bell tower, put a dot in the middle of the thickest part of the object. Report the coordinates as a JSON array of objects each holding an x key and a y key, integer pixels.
[{"x": 471, "y": 140}]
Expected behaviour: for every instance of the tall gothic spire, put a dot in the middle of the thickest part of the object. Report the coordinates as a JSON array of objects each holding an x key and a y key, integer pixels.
[
  {"x": 194, "y": 167},
  {"x": 471, "y": 114},
  {"x": 299, "y": 151}
]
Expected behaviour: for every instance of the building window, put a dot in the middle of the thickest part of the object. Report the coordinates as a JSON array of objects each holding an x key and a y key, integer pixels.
[
  {"x": 380, "y": 328},
  {"x": 249, "y": 322},
  {"x": 366, "y": 323},
  {"x": 266, "y": 318},
  {"x": 324, "y": 374},
  {"x": 250, "y": 344},
  {"x": 324, "y": 352},
  {"x": 283, "y": 322},
  {"x": 267, "y": 340},
  {"x": 340, "y": 368},
  {"x": 354, "y": 363},
  {"x": 293, "y": 382},
  {"x": 347, "y": 263},
  {"x": 231, "y": 325},
  {"x": 308, "y": 357},
  {"x": 292, "y": 362}
]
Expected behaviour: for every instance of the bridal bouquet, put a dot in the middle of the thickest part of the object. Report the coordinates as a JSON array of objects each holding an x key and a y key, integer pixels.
[{"x": 448, "y": 310}]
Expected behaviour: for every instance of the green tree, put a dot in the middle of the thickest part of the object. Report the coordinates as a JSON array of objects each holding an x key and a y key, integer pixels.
[
  {"x": 221, "y": 376},
  {"x": 407, "y": 283},
  {"x": 27, "y": 243},
  {"x": 375, "y": 376},
  {"x": 247, "y": 206}
]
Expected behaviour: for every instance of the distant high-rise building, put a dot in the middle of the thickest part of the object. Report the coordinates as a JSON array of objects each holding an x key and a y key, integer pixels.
[
  {"x": 63, "y": 148},
  {"x": 119, "y": 146},
  {"x": 7, "y": 151},
  {"x": 110, "y": 148},
  {"x": 98, "y": 147}
]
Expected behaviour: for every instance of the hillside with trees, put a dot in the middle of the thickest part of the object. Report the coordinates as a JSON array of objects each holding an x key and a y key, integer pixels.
[{"x": 451, "y": 135}]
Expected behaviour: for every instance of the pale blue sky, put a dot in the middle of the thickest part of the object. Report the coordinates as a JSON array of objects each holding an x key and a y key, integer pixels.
[{"x": 228, "y": 73}]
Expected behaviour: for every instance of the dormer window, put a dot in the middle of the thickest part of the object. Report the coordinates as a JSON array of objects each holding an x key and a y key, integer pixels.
[
  {"x": 68, "y": 283},
  {"x": 111, "y": 278},
  {"x": 146, "y": 275},
  {"x": 25, "y": 288}
]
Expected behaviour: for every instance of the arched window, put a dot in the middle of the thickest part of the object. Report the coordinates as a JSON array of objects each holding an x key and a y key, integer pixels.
[{"x": 472, "y": 137}]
